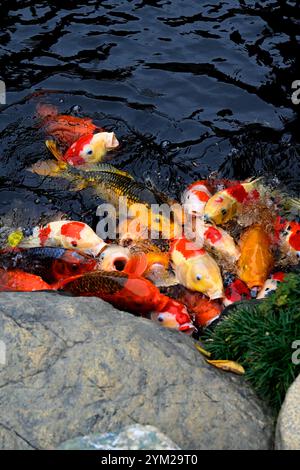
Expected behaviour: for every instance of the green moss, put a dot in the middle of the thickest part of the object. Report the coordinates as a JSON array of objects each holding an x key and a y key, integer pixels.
[{"x": 259, "y": 335}]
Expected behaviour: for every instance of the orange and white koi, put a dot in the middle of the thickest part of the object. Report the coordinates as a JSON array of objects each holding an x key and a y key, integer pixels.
[
  {"x": 256, "y": 260},
  {"x": 65, "y": 234},
  {"x": 196, "y": 269}
]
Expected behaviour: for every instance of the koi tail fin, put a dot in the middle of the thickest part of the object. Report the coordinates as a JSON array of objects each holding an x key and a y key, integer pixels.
[
  {"x": 44, "y": 110},
  {"x": 48, "y": 168},
  {"x": 15, "y": 238}
]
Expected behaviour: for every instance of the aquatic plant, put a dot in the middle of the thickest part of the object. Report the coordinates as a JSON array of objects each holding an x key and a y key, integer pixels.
[{"x": 262, "y": 336}]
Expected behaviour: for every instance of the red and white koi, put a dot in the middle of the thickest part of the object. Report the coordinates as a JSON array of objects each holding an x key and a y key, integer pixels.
[
  {"x": 271, "y": 285},
  {"x": 223, "y": 206},
  {"x": 65, "y": 234},
  {"x": 218, "y": 240},
  {"x": 195, "y": 197}
]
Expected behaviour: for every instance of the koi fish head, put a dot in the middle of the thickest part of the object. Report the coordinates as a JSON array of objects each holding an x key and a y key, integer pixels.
[
  {"x": 174, "y": 315},
  {"x": 72, "y": 263},
  {"x": 90, "y": 148},
  {"x": 219, "y": 240},
  {"x": 271, "y": 285},
  {"x": 202, "y": 274},
  {"x": 220, "y": 208},
  {"x": 291, "y": 234},
  {"x": 114, "y": 258},
  {"x": 195, "y": 197}
]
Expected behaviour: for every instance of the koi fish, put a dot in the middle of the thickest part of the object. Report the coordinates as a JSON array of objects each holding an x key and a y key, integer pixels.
[
  {"x": 19, "y": 281},
  {"x": 114, "y": 258},
  {"x": 256, "y": 260},
  {"x": 77, "y": 135},
  {"x": 196, "y": 269},
  {"x": 129, "y": 292},
  {"x": 271, "y": 285},
  {"x": 195, "y": 197},
  {"x": 235, "y": 290},
  {"x": 110, "y": 184},
  {"x": 65, "y": 234},
  {"x": 219, "y": 241},
  {"x": 156, "y": 263},
  {"x": 51, "y": 263},
  {"x": 223, "y": 206},
  {"x": 63, "y": 128},
  {"x": 174, "y": 315},
  {"x": 290, "y": 237}
]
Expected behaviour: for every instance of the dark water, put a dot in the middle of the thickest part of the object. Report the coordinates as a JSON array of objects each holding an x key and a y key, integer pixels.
[{"x": 189, "y": 87}]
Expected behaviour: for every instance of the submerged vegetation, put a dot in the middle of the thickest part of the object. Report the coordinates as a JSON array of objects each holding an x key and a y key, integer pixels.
[{"x": 262, "y": 336}]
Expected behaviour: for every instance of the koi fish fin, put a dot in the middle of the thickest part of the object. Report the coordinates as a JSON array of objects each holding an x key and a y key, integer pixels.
[
  {"x": 48, "y": 168},
  {"x": 137, "y": 264},
  {"x": 15, "y": 238},
  {"x": 107, "y": 168},
  {"x": 167, "y": 279},
  {"x": 79, "y": 185},
  {"x": 228, "y": 366},
  {"x": 52, "y": 146},
  {"x": 44, "y": 110},
  {"x": 59, "y": 285}
]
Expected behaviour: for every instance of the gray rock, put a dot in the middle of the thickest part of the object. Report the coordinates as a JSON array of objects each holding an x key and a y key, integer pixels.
[
  {"x": 76, "y": 366},
  {"x": 288, "y": 423},
  {"x": 135, "y": 437}
]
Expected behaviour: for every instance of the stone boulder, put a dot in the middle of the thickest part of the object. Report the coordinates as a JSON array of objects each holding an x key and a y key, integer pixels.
[
  {"x": 135, "y": 437},
  {"x": 77, "y": 366},
  {"x": 288, "y": 423}
]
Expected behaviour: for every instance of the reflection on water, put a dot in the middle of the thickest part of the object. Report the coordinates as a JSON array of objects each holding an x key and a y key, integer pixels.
[{"x": 188, "y": 87}]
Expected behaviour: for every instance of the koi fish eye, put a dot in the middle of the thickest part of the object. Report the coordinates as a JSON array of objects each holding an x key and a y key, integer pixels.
[
  {"x": 88, "y": 151},
  {"x": 224, "y": 211},
  {"x": 160, "y": 318},
  {"x": 74, "y": 267},
  {"x": 198, "y": 277}
]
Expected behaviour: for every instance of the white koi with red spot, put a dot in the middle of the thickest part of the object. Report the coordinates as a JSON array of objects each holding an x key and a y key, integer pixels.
[
  {"x": 195, "y": 197},
  {"x": 219, "y": 241},
  {"x": 66, "y": 234},
  {"x": 271, "y": 285}
]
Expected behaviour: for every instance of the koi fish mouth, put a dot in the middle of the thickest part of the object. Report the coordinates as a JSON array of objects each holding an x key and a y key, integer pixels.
[
  {"x": 120, "y": 263},
  {"x": 187, "y": 328}
]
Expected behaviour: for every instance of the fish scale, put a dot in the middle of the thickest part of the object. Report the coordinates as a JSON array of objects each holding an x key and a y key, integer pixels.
[
  {"x": 118, "y": 184},
  {"x": 106, "y": 283}
]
